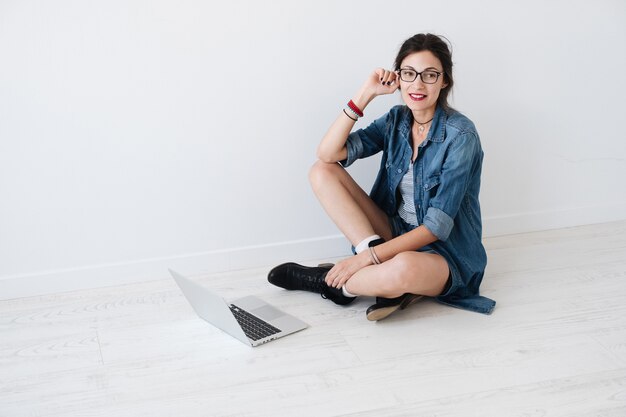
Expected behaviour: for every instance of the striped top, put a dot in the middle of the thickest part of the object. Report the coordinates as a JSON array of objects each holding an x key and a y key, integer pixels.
[{"x": 407, "y": 192}]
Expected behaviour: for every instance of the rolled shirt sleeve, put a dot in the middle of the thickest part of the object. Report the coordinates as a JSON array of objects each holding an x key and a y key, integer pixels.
[
  {"x": 354, "y": 145},
  {"x": 438, "y": 222}
]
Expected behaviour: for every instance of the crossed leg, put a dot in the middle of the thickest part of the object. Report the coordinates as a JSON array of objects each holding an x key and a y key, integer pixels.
[{"x": 358, "y": 217}]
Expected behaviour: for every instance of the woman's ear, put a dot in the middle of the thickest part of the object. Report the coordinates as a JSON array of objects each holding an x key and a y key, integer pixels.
[{"x": 444, "y": 84}]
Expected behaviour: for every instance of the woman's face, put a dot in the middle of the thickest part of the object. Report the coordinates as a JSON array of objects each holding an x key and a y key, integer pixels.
[{"x": 418, "y": 95}]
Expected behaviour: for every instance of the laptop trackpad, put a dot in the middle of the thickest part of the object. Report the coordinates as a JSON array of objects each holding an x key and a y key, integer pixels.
[{"x": 267, "y": 312}]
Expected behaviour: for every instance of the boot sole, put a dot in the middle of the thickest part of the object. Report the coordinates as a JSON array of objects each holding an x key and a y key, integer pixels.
[{"x": 384, "y": 312}]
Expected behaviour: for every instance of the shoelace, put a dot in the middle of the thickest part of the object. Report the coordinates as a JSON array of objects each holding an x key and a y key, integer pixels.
[{"x": 312, "y": 283}]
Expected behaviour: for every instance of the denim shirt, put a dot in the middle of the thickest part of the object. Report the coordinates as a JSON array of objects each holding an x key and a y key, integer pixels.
[{"x": 447, "y": 182}]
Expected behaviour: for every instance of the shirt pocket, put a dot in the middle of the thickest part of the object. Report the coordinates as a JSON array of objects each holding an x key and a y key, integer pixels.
[
  {"x": 394, "y": 173},
  {"x": 430, "y": 184}
]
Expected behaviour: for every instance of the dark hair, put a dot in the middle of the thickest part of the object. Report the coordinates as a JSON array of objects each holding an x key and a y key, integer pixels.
[{"x": 439, "y": 48}]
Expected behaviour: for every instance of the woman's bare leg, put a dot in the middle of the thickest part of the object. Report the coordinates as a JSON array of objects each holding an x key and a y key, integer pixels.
[
  {"x": 408, "y": 272},
  {"x": 358, "y": 217},
  {"x": 345, "y": 202}
]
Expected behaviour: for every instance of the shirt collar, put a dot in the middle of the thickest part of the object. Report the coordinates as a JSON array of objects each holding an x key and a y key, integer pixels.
[{"x": 437, "y": 130}]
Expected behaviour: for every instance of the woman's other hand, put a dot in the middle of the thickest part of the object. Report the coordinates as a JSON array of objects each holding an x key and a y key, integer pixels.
[{"x": 343, "y": 270}]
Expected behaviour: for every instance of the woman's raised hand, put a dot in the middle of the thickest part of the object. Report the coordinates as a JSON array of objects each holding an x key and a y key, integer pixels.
[{"x": 382, "y": 81}]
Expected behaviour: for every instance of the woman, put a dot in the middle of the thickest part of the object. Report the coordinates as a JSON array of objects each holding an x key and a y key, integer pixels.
[{"x": 418, "y": 233}]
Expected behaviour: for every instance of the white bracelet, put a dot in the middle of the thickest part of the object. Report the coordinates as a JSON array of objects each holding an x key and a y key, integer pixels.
[{"x": 353, "y": 112}]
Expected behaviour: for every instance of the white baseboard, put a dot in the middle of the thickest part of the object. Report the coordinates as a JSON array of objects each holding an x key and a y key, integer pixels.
[
  {"x": 552, "y": 219},
  {"x": 95, "y": 276}
]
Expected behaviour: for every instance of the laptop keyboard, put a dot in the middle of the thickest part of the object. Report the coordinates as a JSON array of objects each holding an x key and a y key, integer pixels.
[{"x": 253, "y": 327}]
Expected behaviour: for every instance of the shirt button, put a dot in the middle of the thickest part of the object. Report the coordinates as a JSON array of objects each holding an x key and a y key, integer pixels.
[{"x": 399, "y": 170}]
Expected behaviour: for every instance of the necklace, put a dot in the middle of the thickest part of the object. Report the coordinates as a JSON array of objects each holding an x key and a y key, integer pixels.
[{"x": 421, "y": 128}]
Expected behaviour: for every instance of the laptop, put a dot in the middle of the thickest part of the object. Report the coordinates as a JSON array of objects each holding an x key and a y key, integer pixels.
[{"x": 249, "y": 319}]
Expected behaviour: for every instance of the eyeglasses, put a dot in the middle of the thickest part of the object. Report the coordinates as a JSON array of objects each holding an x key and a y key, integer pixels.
[{"x": 427, "y": 76}]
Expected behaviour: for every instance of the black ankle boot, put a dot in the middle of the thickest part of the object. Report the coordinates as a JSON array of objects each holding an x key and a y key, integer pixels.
[
  {"x": 292, "y": 276},
  {"x": 385, "y": 306}
]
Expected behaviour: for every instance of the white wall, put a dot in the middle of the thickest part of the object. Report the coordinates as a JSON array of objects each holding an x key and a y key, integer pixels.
[{"x": 137, "y": 135}]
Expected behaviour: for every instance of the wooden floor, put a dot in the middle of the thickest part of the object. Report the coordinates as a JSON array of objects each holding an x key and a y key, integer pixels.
[{"x": 554, "y": 346}]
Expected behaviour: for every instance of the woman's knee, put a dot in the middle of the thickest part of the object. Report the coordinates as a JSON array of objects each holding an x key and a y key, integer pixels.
[
  {"x": 417, "y": 273},
  {"x": 397, "y": 276},
  {"x": 321, "y": 172},
  {"x": 403, "y": 269},
  {"x": 406, "y": 274}
]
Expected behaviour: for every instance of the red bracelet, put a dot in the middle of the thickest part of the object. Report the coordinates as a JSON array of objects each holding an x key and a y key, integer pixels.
[{"x": 355, "y": 108}]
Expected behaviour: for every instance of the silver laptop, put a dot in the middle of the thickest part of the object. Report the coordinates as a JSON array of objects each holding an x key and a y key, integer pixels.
[{"x": 249, "y": 319}]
